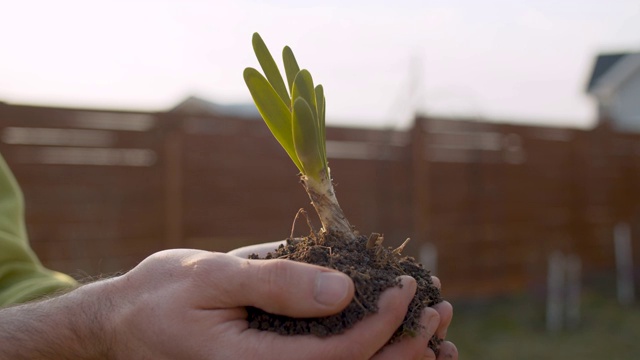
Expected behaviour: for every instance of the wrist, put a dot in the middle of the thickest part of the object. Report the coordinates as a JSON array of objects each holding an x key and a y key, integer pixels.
[
  {"x": 72, "y": 325},
  {"x": 88, "y": 310}
]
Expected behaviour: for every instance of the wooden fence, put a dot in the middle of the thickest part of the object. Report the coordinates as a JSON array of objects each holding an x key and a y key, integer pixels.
[
  {"x": 497, "y": 199},
  {"x": 105, "y": 189}
]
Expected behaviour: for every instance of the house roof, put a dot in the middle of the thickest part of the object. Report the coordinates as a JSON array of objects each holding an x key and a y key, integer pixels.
[
  {"x": 197, "y": 106},
  {"x": 611, "y": 70},
  {"x": 604, "y": 62}
]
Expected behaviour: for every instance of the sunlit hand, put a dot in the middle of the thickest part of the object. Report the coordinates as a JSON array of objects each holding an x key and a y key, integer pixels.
[
  {"x": 189, "y": 304},
  {"x": 434, "y": 320}
]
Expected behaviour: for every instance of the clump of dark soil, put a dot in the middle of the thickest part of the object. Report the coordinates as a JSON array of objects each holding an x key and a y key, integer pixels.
[{"x": 373, "y": 269}]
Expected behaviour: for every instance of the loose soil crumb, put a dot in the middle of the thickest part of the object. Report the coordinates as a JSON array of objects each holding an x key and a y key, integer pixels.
[{"x": 373, "y": 270}]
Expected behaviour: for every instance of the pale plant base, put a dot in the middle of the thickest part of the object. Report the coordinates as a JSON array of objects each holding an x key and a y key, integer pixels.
[{"x": 324, "y": 200}]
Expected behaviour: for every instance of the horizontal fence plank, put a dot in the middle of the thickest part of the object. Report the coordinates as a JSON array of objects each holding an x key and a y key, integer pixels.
[{"x": 494, "y": 199}]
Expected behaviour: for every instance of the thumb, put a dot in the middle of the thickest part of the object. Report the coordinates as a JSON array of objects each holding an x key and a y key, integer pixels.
[{"x": 285, "y": 287}]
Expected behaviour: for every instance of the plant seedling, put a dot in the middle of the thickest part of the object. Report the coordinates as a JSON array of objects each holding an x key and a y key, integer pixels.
[
  {"x": 296, "y": 118},
  {"x": 295, "y": 113}
]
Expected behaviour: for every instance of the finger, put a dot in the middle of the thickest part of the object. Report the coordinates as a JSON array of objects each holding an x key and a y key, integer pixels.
[
  {"x": 277, "y": 286},
  {"x": 413, "y": 347},
  {"x": 362, "y": 341},
  {"x": 448, "y": 351},
  {"x": 436, "y": 282},
  {"x": 260, "y": 249},
  {"x": 393, "y": 309},
  {"x": 429, "y": 355},
  {"x": 445, "y": 311}
]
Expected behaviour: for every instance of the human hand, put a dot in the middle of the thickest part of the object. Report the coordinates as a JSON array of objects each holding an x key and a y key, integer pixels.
[
  {"x": 190, "y": 304},
  {"x": 434, "y": 320}
]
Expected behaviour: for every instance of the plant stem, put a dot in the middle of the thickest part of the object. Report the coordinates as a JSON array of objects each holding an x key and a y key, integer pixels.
[{"x": 324, "y": 200}]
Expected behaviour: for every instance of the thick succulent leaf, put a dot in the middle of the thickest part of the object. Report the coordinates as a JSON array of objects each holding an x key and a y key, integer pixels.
[
  {"x": 270, "y": 68},
  {"x": 303, "y": 87},
  {"x": 306, "y": 139},
  {"x": 291, "y": 67},
  {"x": 274, "y": 111},
  {"x": 320, "y": 105}
]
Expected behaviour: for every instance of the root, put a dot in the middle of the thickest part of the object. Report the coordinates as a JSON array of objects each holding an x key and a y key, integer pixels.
[
  {"x": 355, "y": 298},
  {"x": 330, "y": 265},
  {"x": 399, "y": 249},
  {"x": 295, "y": 221},
  {"x": 373, "y": 240}
]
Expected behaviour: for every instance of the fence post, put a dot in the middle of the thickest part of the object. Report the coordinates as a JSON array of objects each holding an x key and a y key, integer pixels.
[
  {"x": 429, "y": 256},
  {"x": 555, "y": 291},
  {"x": 173, "y": 176},
  {"x": 420, "y": 181},
  {"x": 574, "y": 290},
  {"x": 624, "y": 264}
]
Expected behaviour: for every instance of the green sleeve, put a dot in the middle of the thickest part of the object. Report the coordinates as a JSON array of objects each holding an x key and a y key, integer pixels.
[{"x": 22, "y": 276}]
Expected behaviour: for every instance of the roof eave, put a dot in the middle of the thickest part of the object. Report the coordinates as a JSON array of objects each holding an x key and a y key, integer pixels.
[{"x": 613, "y": 79}]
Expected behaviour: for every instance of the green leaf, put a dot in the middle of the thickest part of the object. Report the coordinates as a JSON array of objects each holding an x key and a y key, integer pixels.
[
  {"x": 321, "y": 106},
  {"x": 303, "y": 87},
  {"x": 291, "y": 67},
  {"x": 270, "y": 68},
  {"x": 274, "y": 111},
  {"x": 306, "y": 140}
]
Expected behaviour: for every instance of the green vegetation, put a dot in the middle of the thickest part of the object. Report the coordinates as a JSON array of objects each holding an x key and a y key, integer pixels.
[
  {"x": 514, "y": 329},
  {"x": 296, "y": 118}
]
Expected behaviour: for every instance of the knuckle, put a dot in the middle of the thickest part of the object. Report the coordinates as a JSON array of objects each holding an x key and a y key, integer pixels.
[
  {"x": 275, "y": 275},
  {"x": 200, "y": 269}
]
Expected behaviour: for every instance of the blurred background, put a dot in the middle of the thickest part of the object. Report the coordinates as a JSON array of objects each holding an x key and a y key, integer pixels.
[{"x": 502, "y": 137}]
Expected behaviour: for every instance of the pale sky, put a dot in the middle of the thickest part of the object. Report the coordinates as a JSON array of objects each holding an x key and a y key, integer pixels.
[{"x": 379, "y": 61}]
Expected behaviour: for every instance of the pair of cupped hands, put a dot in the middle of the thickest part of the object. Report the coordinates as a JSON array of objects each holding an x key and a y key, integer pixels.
[{"x": 190, "y": 304}]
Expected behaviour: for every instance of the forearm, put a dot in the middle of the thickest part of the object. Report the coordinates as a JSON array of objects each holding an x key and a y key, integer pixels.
[{"x": 70, "y": 326}]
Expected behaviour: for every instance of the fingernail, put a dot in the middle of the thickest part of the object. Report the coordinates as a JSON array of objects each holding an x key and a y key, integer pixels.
[{"x": 331, "y": 288}]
